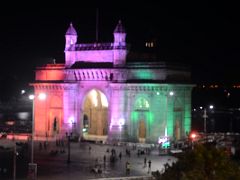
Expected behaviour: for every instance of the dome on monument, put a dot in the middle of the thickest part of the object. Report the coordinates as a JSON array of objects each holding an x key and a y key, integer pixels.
[
  {"x": 119, "y": 28},
  {"x": 71, "y": 30}
]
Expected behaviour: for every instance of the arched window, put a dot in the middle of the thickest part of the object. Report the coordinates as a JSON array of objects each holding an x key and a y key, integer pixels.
[{"x": 142, "y": 104}]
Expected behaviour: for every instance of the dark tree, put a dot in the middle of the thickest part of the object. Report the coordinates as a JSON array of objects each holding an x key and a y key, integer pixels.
[{"x": 205, "y": 162}]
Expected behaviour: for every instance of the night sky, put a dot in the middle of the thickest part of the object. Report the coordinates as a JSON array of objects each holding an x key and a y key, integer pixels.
[{"x": 205, "y": 36}]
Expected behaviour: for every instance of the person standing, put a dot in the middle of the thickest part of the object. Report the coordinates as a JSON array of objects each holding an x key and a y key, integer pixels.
[
  {"x": 149, "y": 166},
  {"x": 120, "y": 156},
  {"x": 89, "y": 149}
]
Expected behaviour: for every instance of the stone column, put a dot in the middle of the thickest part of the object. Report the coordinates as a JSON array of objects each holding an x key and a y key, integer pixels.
[
  {"x": 70, "y": 110},
  {"x": 187, "y": 111},
  {"x": 117, "y": 125}
]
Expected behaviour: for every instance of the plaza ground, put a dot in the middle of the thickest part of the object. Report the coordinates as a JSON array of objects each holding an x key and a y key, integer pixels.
[{"x": 82, "y": 160}]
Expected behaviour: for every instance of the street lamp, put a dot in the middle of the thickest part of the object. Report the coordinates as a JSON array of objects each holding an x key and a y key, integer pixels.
[
  {"x": 31, "y": 97},
  {"x": 205, "y": 116},
  {"x": 193, "y": 137},
  {"x": 42, "y": 97}
]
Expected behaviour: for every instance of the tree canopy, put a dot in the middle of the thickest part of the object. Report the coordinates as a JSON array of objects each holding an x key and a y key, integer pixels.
[{"x": 205, "y": 162}]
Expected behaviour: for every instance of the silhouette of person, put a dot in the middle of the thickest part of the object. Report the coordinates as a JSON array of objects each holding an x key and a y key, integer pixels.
[
  {"x": 149, "y": 166},
  {"x": 120, "y": 155},
  {"x": 145, "y": 162}
]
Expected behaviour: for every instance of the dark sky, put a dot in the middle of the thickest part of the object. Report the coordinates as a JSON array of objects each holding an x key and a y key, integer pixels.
[{"x": 205, "y": 36}]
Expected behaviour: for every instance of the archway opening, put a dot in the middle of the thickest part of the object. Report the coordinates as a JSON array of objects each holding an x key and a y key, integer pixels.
[
  {"x": 140, "y": 119},
  {"x": 95, "y": 114},
  {"x": 142, "y": 129}
]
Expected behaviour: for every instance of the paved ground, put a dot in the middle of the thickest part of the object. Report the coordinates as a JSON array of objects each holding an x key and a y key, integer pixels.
[
  {"x": 55, "y": 167},
  {"x": 83, "y": 160}
]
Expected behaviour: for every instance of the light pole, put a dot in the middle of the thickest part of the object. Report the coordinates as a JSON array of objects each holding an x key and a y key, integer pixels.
[
  {"x": 31, "y": 97},
  {"x": 205, "y": 120},
  {"x": 32, "y": 166},
  {"x": 205, "y": 116}
]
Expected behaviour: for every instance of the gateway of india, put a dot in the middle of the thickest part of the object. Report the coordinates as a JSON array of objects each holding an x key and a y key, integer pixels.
[{"x": 98, "y": 95}]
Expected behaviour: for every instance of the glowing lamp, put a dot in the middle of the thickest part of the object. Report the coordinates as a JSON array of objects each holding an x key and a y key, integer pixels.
[
  {"x": 71, "y": 120},
  {"x": 10, "y": 123},
  {"x": 121, "y": 122},
  {"x": 171, "y": 93},
  {"x": 42, "y": 96},
  {"x": 211, "y": 106},
  {"x": 31, "y": 97},
  {"x": 193, "y": 136}
]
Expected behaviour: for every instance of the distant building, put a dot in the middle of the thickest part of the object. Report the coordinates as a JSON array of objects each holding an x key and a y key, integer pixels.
[{"x": 97, "y": 93}]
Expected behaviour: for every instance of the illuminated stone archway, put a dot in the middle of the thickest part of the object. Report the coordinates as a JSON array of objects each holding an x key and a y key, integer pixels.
[
  {"x": 95, "y": 113},
  {"x": 138, "y": 104},
  {"x": 141, "y": 116}
]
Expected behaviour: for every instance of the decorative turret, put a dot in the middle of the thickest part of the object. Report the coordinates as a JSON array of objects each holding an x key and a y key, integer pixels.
[
  {"x": 119, "y": 35},
  {"x": 71, "y": 37},
  {"x": 120, "y": 49}
]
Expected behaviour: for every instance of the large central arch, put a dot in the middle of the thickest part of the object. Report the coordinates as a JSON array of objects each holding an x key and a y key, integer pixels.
[{"x": 95, "y": 114}]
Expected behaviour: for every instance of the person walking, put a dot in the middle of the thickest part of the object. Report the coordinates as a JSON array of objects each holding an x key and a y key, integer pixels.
[
  {"x": 145, "y": 162},
  {"x": 149, "y": 166}
]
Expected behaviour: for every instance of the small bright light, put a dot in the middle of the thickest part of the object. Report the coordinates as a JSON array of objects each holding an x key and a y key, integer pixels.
[
  {"x": 11, "y": 122},
  {"x": 84, "y": 129},
  {"x": 193, "y": 135},
  {"x": 194, "y": 109},
  {"x": 201, "y": 107},
  {"x": 23, "y": 115},
  {"x": 31, "y": 97},
  {"x": 211, "y": 106},
  {"x": 158, "y": 93},
  {"x": 23, "y": 91},
  {"x": 121, "y": 122},
  {"x": 42, "y": 96},
  {"x": 147, "y": 105},
  {"x": 71, "y": 120},
  {"x": 171, "y": 93}
]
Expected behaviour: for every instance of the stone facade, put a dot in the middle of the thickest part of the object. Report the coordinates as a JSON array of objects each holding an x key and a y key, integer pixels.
[{"x": 97, "y": 92}]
